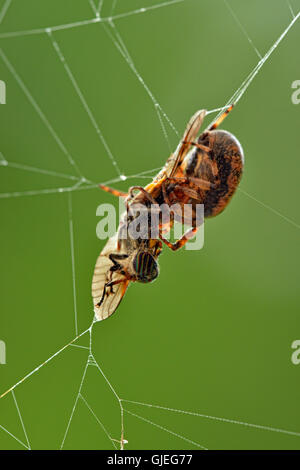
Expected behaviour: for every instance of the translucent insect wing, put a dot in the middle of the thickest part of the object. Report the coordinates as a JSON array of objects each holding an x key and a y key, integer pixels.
[
  {"x": 101, "y": 277},
  {"x": 189, "y": 135},
  {"x": 183, "y": 147}
]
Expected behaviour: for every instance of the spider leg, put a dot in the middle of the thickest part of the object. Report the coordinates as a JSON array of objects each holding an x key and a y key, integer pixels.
[
  {"x": 199, "y": 146},
  {"x": 113, "y": 191},
  {"x": 164, "y": 190},
  {"x": 221, "y": 118},
  {"x": 182, "y": 241},
  {"x": 131, "y": 196},
  {"x": 203, "y": 184},
  {"x": 144, "y": 191}
]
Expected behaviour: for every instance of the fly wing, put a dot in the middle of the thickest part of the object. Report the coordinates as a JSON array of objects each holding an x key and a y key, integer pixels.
[
  {"x": 189, "y": 135},
  {"x": 177, "y": 157},
  {"x": 107, "y": 299}
]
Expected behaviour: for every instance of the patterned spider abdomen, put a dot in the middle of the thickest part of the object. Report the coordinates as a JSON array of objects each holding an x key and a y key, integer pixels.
[{"x": 222, "y": 166}]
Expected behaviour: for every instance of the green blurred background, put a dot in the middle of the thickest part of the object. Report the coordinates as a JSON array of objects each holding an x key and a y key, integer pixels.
[{"x": 213, "y": 334}]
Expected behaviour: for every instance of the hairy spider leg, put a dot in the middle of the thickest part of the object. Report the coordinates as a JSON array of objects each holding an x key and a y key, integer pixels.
[
  {"x": 221, "y": 118},
  {"x": 113, "y": 191},
  {"x": 182, "y": 241}
]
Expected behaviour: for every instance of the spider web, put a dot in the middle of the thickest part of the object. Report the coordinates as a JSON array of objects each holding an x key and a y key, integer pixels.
[{"x": 79, "y": 183}]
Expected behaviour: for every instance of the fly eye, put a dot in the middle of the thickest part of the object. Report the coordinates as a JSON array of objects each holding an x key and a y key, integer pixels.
[{"x": 145, "y": 266}]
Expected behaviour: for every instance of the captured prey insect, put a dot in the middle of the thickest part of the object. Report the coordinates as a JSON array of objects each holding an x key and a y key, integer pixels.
[{"x": 206, "y": 171}]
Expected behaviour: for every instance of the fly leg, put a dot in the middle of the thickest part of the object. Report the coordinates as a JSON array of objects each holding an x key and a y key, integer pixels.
[
  {"x": 109, "y": 284},
  {"x": 114, "y": 258}
]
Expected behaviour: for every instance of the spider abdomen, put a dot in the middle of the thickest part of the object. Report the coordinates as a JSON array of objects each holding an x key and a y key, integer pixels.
[
  {"x": 221, "y": 166},
  {"x": 228, "y": 156}
]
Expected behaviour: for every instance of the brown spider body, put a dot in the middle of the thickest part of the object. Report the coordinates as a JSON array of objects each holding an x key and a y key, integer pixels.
[{"x": 221, "y": 166}]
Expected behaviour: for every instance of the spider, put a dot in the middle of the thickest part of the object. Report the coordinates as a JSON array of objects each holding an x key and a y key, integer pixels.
[{"x": 206, "y": 171}]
